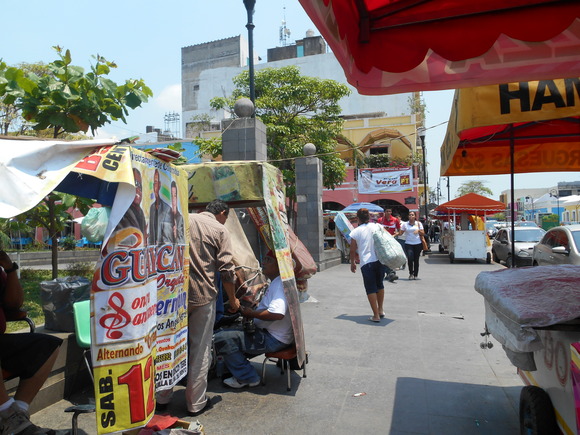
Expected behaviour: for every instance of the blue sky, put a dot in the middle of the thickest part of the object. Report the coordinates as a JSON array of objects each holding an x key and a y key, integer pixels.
[{"x": 145, "y": 40}]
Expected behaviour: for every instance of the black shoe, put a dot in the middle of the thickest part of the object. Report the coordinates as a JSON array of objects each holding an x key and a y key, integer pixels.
[
  {"x": 207, "y": 407},
  {"x": 393, "y": 277}
]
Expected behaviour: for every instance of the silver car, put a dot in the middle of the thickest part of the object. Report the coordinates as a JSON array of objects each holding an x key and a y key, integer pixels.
[
  {"x": 558, "y": 246},
  {"x": 525, "y": 239}
]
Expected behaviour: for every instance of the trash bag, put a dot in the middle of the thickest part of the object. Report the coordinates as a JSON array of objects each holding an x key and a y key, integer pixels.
[
  {"x": 95, "y": 223},
  {"x": 388, "y": 249},
  {"x": 57, "y": 298}
]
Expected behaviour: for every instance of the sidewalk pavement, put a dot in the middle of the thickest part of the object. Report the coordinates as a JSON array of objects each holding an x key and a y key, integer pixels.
[{"x": 420, "y": 371}]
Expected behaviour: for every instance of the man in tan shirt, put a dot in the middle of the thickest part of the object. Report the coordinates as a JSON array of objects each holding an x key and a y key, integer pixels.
[{"x": 209, "y": 251}]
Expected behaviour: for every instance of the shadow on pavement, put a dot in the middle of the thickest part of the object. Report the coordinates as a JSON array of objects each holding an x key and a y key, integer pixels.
[
  {"x": 364, "y": 320},
  {"x": 427, "y": 406}
]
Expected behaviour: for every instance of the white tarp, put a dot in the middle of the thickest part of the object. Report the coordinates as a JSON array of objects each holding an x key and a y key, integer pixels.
[{"x": 31, "y": 169}]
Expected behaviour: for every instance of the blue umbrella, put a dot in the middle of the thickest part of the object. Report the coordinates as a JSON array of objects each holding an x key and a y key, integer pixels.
[{"x": 358, "y": 205}]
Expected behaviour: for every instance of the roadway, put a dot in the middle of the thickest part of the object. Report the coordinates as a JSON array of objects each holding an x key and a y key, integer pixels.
[{"x": 420, "y": 371}]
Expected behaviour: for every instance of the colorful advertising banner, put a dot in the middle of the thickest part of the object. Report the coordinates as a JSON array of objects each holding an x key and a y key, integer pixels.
[
  {"x": 139, "y": 293},
  {"x": 385, "y": 180},
  {"x": 275, "y": 200},
  {"x": 228, "y": 181}
]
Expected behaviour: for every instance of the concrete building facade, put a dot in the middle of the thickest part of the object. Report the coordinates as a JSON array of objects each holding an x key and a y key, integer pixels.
[
  {"x": 373, "y": 124},
  {"x": 204, "y": 78}
]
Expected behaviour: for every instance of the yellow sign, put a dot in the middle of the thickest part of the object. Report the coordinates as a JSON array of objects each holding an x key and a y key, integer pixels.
[{"x": 539, "y": 118}]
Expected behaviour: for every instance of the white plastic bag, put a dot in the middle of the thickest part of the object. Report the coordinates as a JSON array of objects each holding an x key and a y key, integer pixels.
[
  {"x": 388, "y": 249},
  {"x": 95, "y": 223}
]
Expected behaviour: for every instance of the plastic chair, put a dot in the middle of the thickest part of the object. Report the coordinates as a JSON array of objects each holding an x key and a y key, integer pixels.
[
  {"x": 283, "y": 358},
  {"x": 82, "y": 317}
]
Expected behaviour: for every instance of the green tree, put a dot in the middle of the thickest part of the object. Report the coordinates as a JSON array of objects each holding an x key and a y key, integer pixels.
[
  {"x": 67, "y": 100},
  {"x": 296, "y": 110},
  {"x": 12, "y": 227},
  {"x": 474, "y": 186}
]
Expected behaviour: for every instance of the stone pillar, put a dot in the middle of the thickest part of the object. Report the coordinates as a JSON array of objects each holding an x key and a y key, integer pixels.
[
  {"x": 309, "y": 198},
  {"x": 245, "y": 137}
]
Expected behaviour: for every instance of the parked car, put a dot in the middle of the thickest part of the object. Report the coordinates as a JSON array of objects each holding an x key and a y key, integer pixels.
[
  {"x": 558, "y": 246},
  {"x": 525, "y": 239},
  {"x": 491, "y": 229},
  {"x": 526, "y": 224}
]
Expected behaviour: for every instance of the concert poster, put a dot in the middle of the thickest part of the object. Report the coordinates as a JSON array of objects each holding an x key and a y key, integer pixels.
[{"x": 139, "y": 292}]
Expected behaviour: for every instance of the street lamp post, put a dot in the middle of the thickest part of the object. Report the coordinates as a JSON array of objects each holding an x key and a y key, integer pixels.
[
  {"x": 249, "y": 4},
  {"x": 555, "y": 194},
  {"x": 421, "y": 133},
  {"x": 529, "y": 198}
]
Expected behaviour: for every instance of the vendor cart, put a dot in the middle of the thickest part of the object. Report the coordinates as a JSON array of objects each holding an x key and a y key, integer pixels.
[
  {"x": 470, "y": 244},
  {"x": 464, "y": 235},
  {"x": 535, "y": 314}
]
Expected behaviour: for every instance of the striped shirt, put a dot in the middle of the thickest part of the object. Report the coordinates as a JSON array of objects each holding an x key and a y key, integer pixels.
[{"x": 210, "y": 252}]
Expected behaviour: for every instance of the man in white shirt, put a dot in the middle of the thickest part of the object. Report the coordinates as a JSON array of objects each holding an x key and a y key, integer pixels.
[
  {"x": 371, "y": 268},
  {"x": 273, "y": 331}
]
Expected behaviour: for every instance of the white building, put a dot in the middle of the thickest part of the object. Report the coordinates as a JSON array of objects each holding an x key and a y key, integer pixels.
[{"x": 208, "y": 70}]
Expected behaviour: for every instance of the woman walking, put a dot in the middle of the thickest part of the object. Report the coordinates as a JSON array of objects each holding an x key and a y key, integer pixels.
[{"x": 413, "y": 231}]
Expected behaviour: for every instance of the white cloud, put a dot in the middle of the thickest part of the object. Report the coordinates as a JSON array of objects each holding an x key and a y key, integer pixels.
[
  {"x": 169, "y": 98},
  {"x": 102, "y": 133}
]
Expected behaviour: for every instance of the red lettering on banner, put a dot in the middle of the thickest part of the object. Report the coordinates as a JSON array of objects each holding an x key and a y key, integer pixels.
[
  {"x": 113, "y": 274},
  {"x": 119, "y": 266},
  {"x": 89, "y": 163},
  {"x": 169, "y": 283},
  {"x": 150, "y": 339},
  {"x": 139, "y": 269},
  {"x": 111, "y": 322},
  {"x": 151, "y": 263},
  {"x": 141, "y": 302},
  {"x": 141, "y": 318}
]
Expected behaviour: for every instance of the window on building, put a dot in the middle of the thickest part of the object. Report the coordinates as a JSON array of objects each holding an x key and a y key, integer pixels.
[{"x": 379, "y": 149}]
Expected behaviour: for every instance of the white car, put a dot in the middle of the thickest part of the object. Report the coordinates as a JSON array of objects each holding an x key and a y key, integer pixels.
[
  {"x": 525, "y": 239},
  {"x": 558, "y": 246}
]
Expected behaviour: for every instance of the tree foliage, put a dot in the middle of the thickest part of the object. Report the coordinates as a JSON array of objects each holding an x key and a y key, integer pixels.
[
  {"x": 474, "y": 186},
  {"x": 384, "y": 161},
  {"x": 63, "y": 98},
  {"x": 296, "y": 110},
  {"x": 66, "y": 99}
]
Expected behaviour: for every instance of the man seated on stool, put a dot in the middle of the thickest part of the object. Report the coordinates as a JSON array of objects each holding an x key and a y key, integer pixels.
[
  {"x": 273, "y": 331},
  {"x": 29, "y": 356}
]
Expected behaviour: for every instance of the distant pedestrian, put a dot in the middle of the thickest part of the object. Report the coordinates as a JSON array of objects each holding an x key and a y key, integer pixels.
[
  {"x": 370, "y": 267},
  {"x": 436, "y": 232},
  {"x": 413, "y": 231},
  {"x": 400, "y": 237}
]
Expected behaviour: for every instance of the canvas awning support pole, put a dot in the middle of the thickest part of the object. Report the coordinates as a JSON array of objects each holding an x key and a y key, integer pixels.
[{"x": 512, "y": 193}]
